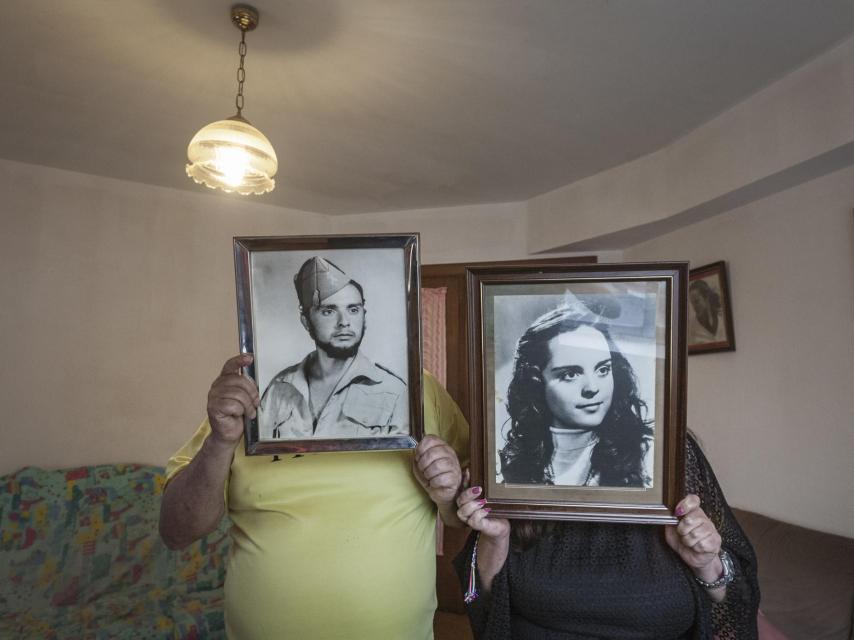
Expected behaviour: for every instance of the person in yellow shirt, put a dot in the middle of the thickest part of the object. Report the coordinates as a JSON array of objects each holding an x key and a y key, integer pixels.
[{"x": 327, "y": 545}]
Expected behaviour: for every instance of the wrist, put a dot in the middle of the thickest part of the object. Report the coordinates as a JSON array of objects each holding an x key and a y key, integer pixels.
[
  {"x": 218, "y": 446},
  {"x": 716, "y": 574},
  {"x": 499, "y": 540},
  {"x": 442, "y": 501},
  {"x": 711, "y": 571},
  {"x": 445, "y": 508}
]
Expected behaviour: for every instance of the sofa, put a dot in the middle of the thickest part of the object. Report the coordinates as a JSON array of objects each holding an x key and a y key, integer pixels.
[
  {"x": 806, "y": 578},
  {"x": 81, "y": 558}
]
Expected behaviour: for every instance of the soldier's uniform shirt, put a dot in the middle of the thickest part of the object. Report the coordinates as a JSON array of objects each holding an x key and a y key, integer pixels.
[
  {"x": 333, "y": 545},
  {"x": 368, "y": 401}
]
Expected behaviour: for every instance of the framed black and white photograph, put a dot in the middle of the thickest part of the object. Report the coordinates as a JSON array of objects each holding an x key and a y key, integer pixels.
[
  {"x": 578, "y": 390},
  {"x": 334, "y": 326},
  {"x": 709, "y": 310}
]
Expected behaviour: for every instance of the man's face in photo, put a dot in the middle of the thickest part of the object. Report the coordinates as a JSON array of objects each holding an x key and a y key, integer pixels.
[{"x": 337, "y": 324}]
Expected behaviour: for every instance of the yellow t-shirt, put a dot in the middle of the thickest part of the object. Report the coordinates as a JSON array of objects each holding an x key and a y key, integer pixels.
[{"x": 333, "y": 545}]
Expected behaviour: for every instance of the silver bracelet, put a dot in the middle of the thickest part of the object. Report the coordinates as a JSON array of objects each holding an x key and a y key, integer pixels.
[{"x": 727, "y": 576}]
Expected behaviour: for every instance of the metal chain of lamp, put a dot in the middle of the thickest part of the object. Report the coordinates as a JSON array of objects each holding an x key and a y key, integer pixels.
[{"x": 231, "y": 154}]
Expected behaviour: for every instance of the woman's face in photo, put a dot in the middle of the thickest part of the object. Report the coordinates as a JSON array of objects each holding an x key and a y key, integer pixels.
[
  {"x": 698, "y": 301},
  {"x": 579, "y": 383}
]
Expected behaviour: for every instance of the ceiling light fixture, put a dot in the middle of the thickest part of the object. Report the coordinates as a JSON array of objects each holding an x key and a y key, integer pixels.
[{"x": 231, "y": 154}]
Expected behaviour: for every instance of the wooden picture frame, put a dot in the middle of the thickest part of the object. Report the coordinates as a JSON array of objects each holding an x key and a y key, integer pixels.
[
  {"x": 710, "y": 328},
  {"x": 535, "y": 332},
  {"x": 334, "y": 326}
]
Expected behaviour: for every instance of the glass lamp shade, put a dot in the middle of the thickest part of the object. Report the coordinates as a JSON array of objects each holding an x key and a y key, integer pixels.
[{"x": 232, "y": 155}]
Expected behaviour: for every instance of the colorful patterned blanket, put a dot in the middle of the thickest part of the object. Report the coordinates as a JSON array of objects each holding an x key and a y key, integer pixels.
[{"x": 81, "y": 558}]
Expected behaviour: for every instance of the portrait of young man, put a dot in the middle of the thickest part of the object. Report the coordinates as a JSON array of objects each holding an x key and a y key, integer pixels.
[{"x": 329, "y": 384}]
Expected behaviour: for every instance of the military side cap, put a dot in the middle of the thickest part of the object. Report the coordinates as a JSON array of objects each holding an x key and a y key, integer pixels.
[{"x": 318, "y": 279}]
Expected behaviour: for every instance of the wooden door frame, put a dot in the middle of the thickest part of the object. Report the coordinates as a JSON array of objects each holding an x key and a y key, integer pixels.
[{"x": 453, "y": 277}]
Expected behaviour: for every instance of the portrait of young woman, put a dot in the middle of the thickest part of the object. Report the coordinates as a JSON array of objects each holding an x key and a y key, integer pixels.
[
  {"x": 580, "y": 420},
  {"x": 575, "y": 415},
  {"x": 574, "y": 380}
]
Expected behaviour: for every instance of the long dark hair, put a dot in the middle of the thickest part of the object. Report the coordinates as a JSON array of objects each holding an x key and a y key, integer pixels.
[{"x": 617, "y": 457}]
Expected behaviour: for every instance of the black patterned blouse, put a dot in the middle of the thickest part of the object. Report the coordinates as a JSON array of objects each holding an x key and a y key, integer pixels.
[{"x": 590, "y": 580}]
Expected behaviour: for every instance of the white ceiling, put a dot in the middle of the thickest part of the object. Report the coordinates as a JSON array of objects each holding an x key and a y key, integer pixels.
[{"x": 376, "y": 105}]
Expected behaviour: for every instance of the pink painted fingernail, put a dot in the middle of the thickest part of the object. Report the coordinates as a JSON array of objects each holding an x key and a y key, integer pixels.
[
  {"x": 680, "y": 510},
  {"x": 476, "y": 490},
  {"x": 487, "y": 510},
  {"x": 480, "y": 503}
]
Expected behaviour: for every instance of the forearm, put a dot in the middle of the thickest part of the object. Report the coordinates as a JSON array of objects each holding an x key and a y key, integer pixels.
[
  {"x": 193, "y": 503},
  {"x": 717, "y": 595},
  {"x": 711, "y": 573},
  {"x": 491, "y": 556},
  {"x": 448, "y": 514}
]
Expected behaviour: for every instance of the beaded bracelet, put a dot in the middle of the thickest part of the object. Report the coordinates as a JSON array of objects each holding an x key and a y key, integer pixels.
[{"x": 471, "y": 593}]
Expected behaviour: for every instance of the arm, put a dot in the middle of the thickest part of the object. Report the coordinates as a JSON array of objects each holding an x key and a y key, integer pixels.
[
  {"x": 193, "y": 502},
  {"x": 437, "y": 469},
  {"x": 484, "y": 567},
  {"x": 697, "y": 542},
  {"x": 493, "y": 544},
  {"x": 735, "y": 617}
]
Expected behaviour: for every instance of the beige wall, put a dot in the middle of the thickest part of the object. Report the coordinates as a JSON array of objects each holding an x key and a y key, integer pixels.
[
  {"x": 118, "y": 298},
  {"x": 777, "y": 416},
  {"x": 119, "y": 306},
  {"x": 799, "y": 127}
]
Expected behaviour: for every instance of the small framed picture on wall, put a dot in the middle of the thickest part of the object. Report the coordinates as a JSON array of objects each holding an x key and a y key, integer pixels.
[{"x": 709, "y": 310}]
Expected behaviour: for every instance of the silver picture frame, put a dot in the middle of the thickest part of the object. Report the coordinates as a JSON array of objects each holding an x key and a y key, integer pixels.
[{"x": 376, "y": 403}]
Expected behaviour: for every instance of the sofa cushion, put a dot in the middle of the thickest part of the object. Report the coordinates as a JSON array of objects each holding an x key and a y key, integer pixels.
[
  {"x": 806, "y": 577},
  {"x": 81, "y": 556}
]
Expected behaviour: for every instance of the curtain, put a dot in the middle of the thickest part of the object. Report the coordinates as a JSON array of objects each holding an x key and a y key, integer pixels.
[{"x": 434, "y": 354}]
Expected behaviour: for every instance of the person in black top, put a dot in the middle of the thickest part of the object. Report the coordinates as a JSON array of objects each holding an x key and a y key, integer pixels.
[{"x": 577, "y": 580}]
